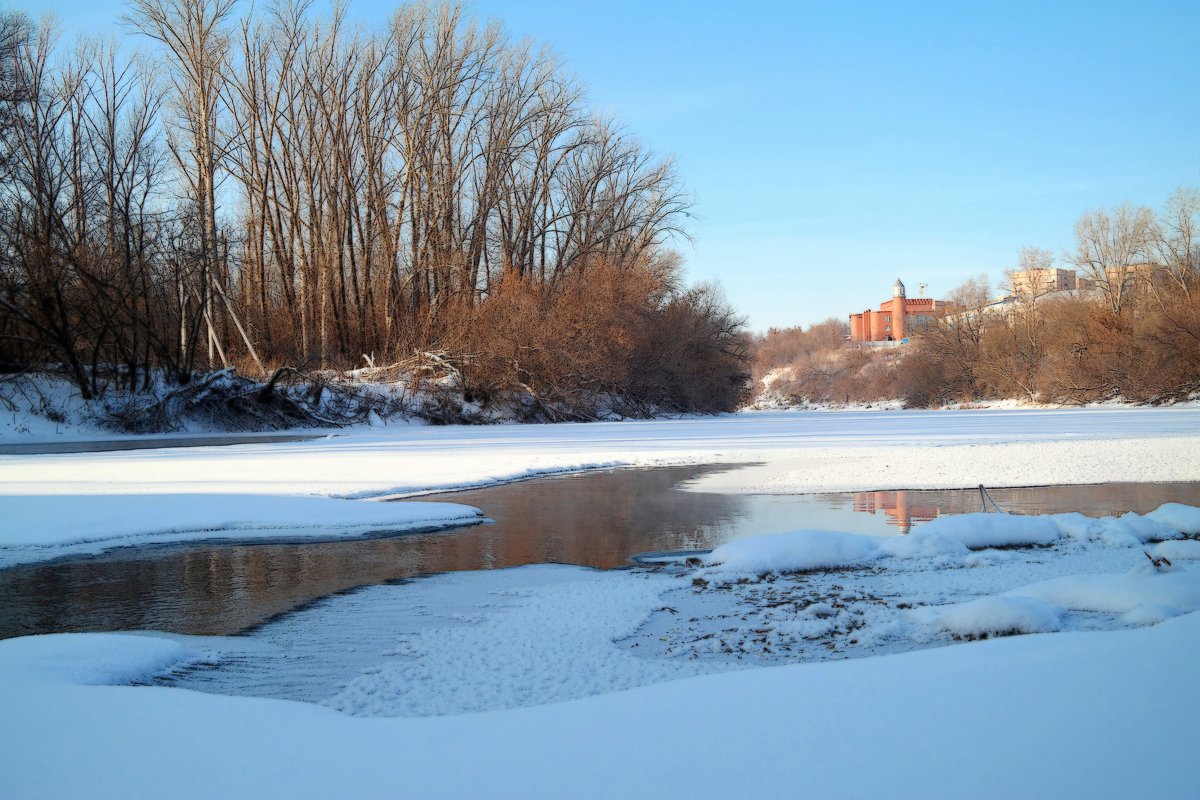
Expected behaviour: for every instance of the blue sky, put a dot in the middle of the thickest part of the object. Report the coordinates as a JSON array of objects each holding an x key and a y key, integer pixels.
[{"x": 833, "y": 147}]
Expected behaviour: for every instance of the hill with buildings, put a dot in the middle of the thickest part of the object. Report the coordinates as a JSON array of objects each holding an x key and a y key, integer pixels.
[{"x": 1120, "y": 321}]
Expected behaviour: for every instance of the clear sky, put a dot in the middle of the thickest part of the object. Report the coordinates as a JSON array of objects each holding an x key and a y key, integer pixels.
[{"x": 832, "y": 147}]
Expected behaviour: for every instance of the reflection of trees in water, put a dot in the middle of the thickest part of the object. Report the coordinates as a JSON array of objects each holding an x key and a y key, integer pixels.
[
  {"x": 600, "y": 520},
  {"x": 596, "y": 520}
]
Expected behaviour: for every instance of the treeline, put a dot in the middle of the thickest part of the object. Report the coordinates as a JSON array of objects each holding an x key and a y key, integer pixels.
[
  {"x": 1133, "y": 335},
  {"x": 287, "y": 189}
]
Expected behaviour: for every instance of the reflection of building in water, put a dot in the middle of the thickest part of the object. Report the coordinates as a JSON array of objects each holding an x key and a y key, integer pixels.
[
  {"x": 904, "y": 508},
  {"x": 897, "y": 507}
]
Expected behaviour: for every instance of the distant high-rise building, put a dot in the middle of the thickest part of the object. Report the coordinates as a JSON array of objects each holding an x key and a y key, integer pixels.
[{"x": 1035, "y": 282}]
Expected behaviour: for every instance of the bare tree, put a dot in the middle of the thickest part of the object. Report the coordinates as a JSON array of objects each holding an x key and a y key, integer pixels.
[
  {"x": 948, "y": 352},
  {"x": 1176, "y": 239},
  {"x": 1109, "y": 246},
  {"x": 192, "y": 31},
  {"x": 1030, "y": 277},
  {"x": 14, "y": 32},
  {"x": 343, "y": 192}
]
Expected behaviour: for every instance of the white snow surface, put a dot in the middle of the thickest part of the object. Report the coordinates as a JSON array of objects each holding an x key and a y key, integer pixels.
[
  {"x": 992, "y": 530},
  {"x": 35, "y": 527},
  {"x": 547, "y": 641},
  {"x": 1121, "y": 594},
  {"x": 559, "y": 681},
  {"x": 846, "y": 451},
  {"x": 1187, "y": 550},
  {"x": 1071, "y": 714},
  {"x": 793, "y": 552},
  {"x": 951, "y": 536},
  {"x": 998, "y": 616}
]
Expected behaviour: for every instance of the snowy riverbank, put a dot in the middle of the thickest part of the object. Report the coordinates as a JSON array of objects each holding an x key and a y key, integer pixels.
[
  {"x": 560, "y": 681},
  {"x": 1099, "y": 715},
  {"x": 37, "y": 527},
  {"x": 676, "y": 682}
]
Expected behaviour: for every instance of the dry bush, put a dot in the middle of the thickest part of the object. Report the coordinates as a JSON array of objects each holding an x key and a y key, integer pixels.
[
  {"x": 1012, "y": 352},
  {"x": 1148, "y": 353},
  {"x": 608, "y": 338},
  {"x": 795, "y": 347},
  {"x": 694, "y": 355},
  {"x": 819, "y": 365}
]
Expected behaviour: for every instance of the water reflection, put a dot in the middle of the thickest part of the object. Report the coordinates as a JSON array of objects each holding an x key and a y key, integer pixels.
[
  {"x": 905, "y": 509},
  {"x": 596, "y": 520}
]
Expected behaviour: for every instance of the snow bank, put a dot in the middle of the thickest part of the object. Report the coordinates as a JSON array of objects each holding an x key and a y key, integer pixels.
[
  {"x": 90, "y": 658},
  {"x": 927, "y": 545},
  {"x": 1186, "y": 550},
  {"x": 793, "y": 552},
  {"x": 950, "y": 538},
  {"x": 976, "y": 531},
  {"x": 45, "y": 526},
  {"x": 1185, "y": 519},
  {"x": 1143, "y": 596},
  {"x": 1045, "y": 735},
  {"x": 1120, "y": 594},
  {"x": 996, "y": 616}
]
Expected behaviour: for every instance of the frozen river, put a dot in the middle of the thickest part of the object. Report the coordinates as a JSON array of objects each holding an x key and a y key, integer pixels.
[{"x": 598, "y": 519}]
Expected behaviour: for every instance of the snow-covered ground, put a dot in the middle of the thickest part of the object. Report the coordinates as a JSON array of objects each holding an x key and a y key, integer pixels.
[
  {"x": 37, "y": 527},
  {"x": 1074, "y": 713},
  {"x": 854, "y": 450},
  {"x": 679, "y": 681},
  {"x": 465, "y": 642}
]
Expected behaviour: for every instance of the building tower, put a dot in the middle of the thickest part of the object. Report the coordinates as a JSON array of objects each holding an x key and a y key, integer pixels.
[{"x": 898, "y": 289}]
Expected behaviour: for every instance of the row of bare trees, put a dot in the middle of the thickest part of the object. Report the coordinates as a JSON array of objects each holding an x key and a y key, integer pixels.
[
  {"x": 289, "y": 188},
  {"x": 1135, "y": 334}
]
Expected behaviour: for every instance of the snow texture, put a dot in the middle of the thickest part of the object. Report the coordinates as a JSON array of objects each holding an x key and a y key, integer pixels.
[
  {"x": 550, "y": 640},
  {"x": 793, "y": 552},
  {"x": 565, "y": 682},
  {"x": 998, "y": 616},
  {"x": 1178, "y": 516},
  {"x": 947, "y": 537},
  {"x": 1120, "y": 594},
  {"x": 46, "y": 526},
  {"x": 977, "y": 531},
  {"x": 1049, "y": 716}
]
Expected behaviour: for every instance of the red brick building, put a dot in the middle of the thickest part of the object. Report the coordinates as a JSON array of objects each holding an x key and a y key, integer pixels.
[{"x": 896, "y": 318}]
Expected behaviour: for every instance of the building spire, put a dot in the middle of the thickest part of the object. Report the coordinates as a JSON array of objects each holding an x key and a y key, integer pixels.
[{"x": 898, "y": 289}]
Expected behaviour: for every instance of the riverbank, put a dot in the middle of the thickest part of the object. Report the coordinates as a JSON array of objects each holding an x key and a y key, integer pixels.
[
  {"x": 1077, "y": 711},
  {"x": 561, "y": 681},
  {"x": 830, "y": 451}
]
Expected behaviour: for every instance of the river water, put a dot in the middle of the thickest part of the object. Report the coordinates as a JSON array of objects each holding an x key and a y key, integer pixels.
[{"x": 595, "y": 519}]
